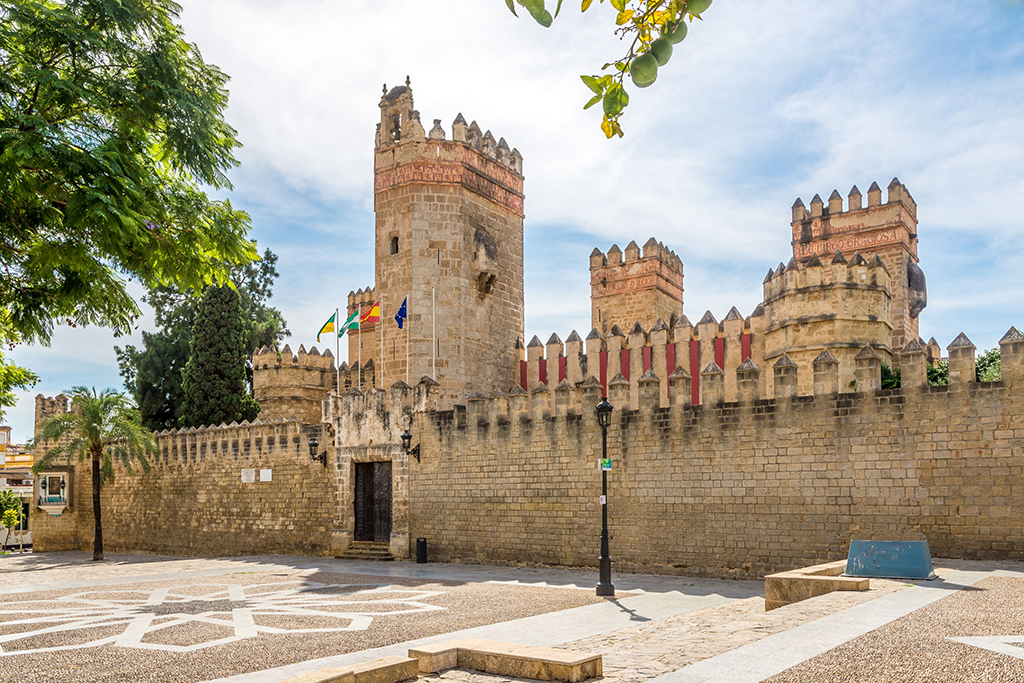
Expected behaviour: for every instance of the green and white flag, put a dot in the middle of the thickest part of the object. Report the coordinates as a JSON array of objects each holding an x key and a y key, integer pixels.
[{"x": 351, "y": 324}]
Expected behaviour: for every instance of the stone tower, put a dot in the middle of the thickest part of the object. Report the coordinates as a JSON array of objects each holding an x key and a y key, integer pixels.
[
  {"x": 449, "y": 220},
  {"x": 638, "y": 288},
  {"x": 888, "y": 230}
]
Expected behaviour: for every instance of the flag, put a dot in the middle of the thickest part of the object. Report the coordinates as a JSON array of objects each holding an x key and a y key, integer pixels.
[
  {"x": 352, "y": 323},
  {"x": 328, "y": 327},
  {"x": 371, "y": 316},
  {"x": 402, "y": 314}
]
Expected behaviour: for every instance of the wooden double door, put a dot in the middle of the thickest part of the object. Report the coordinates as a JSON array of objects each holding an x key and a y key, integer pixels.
[{"x": 373, "y": 501}]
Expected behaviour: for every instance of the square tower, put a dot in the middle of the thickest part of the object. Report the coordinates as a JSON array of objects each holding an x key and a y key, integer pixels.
[
  {"x": 640, "y": 288},
  {"x": 888, "y": 230},
  {"x": 449, "y": 235}
]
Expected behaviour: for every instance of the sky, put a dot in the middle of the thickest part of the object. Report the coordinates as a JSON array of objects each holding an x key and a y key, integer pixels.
[{"x": 762, "y": 103}]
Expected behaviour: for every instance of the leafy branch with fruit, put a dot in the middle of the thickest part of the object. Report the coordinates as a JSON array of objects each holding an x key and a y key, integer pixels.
[{"x": 654, "y": 26}]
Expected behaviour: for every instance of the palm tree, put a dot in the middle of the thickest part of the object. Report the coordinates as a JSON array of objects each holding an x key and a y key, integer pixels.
[{"x": 103, "y": 426}]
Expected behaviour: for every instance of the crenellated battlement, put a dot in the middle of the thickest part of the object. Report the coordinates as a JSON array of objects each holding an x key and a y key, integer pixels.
[
  {"x": 361, "y": 297},
  {"x": 288, "y": 385},
  {"x": 838, "y": 273},
  {"x": 681, "y": 350},
  {"x": 400, "y": 124},
  {"x": 238, "y": 441},
  {"x": 897, "y": 194},
  {"x": 638, "y": 285},
  {"x": 379, "y": 417}
]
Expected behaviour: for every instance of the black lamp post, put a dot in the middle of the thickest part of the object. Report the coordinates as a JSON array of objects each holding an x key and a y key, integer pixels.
[
  {"x": 604, "y": 563},
  {"x": 314, "y": 456},
  {"x": 406, "y": 442}
]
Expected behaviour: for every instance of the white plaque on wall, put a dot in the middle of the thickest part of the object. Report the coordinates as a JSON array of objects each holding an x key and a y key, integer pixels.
[
  {"x": 266, "y": 475},
  {"x": 248, "y": 476}
]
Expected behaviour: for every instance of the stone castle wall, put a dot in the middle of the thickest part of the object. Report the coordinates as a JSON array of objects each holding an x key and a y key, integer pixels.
[
  {"x": 730, "y": 489},
  {"x": 724, "y": 488},
  {"x": 194, "y": 500}
]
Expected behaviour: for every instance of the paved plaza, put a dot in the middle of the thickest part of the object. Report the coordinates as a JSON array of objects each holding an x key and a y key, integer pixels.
[{"x": 265, "y": 619}]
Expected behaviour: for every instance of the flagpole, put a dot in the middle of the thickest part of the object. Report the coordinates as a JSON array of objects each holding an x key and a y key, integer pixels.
[
  {"x": 360, "y": 342},
  {"x": 433, "y": 335},
  {"x": 407, "y": 321},
  {"x": 337, "y": 344},
  {"x": 380, "y": 323}
]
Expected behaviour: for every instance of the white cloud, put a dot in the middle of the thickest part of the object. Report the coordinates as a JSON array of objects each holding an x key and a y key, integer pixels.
[{"x": 763, "y": 102}]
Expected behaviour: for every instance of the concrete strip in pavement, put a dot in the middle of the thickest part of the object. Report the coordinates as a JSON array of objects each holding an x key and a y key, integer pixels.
[
  {"x": 773, "y": 655},
  {"x": 550, "y": 630}
]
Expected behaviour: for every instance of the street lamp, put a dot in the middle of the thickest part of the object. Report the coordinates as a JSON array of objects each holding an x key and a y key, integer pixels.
[
  {"x": 314, "y": 456},
  {"x": 604, "y": 563},
  {"x": 406, "y": 442}
]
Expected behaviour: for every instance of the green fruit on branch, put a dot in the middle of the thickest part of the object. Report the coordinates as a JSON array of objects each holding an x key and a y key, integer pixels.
[
  {"x": 697, "y": 6},
  {"x": 662, "y": 50},
  {"x": 644, "y": 70},
  {"x": 674, "y": 33}
]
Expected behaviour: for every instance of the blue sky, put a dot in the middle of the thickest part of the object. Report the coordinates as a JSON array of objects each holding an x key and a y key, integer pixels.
[{"x": 762, "y": 103}]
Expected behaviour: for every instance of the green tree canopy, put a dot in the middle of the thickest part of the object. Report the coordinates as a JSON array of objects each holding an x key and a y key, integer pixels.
[
  {"x": 109, "y": 122},
  {"x": 154, "y": 374},
  {"x": 214, "y": 379},
  {"x": 102, "y": 426},
  {"x": 649, "y": 27}
]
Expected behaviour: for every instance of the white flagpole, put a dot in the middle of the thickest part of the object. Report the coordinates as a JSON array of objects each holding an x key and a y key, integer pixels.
[
  {"x": 406, "y": 321},
  {"x": 380, "y": 323},
  {"x": 337, "y": 344},
  {"x": 360, "y": 342},
  {"x": 433, "y": 335}
]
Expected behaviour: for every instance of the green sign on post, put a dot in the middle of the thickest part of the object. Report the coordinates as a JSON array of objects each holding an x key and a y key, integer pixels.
[{"x": 606, "y": 464}]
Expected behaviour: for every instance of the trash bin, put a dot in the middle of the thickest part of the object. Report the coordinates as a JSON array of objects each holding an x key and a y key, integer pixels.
[{"x": 421, "y": 551}]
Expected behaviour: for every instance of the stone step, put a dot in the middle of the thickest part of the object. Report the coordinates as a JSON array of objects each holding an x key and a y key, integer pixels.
[{"x": 369, "y": 551}]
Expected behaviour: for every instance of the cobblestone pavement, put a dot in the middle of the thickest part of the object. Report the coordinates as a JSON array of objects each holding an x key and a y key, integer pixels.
[
  {"x": 162, "y": 619},
  {"x": 667, "y": 630}
]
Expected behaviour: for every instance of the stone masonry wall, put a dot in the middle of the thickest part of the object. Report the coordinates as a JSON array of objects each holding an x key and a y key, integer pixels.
[
  {"x": 194, "y": 502},
  {"x": 728, "y": 489}
]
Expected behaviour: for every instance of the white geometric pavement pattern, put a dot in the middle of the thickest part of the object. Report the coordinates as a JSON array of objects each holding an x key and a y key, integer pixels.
[
  {"x": 1004, "y": 645},
  {"x": 143, "y": 612}
]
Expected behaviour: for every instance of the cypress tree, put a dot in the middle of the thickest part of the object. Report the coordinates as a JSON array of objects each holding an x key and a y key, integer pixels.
[{"x": 214, "y": 377}]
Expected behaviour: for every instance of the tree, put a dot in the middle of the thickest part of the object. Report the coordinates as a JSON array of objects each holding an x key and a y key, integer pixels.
[
  {"x": 214, "y": 377},
  {"x": 891, "y": 379},
  {"x": 654, "y": 26},
  {"x": 153, "y": 374},
  {"x": 10, "y": 512},
  {"x": 102, "y": 426},
  {"x": 109, "y": 123},
  {"x": 938, "y": 374},
  {"x": 11, "y": 376},
  {"x": 988, "y": 367}
]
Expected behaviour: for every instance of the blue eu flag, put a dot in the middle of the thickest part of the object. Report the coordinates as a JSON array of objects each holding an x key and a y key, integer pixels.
[{"x": 402, "y": 314}]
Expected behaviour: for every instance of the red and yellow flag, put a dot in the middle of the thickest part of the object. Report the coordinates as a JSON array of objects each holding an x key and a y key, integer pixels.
[{"x": 371, "y": 316}]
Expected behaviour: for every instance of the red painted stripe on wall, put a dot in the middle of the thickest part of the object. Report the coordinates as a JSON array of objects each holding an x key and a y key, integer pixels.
[
  {"x": 624, "y": 362},
  {"x": 720, "y": 352},
  {"x": 522, "y": 375},
  {"x": 670, "y": 364},
  {"x": 603, "y": 363},
  {"x": 561, "y": 369},
  {"x": 744, "y": 347},
  {"x": 544, "y": 370},
  {"x": 694, "y": 372},
  {"x": 647, "y": 358}
]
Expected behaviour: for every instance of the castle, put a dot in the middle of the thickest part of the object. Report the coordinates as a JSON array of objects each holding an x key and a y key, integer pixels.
[{"x": 742, "y": 446}]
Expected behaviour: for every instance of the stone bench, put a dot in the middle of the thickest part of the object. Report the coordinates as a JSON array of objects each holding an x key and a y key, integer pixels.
[
  {"x": 384, "y": 670},
  {"x": 506, "y": 659},
  {"x": 785, "y": 588}
]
